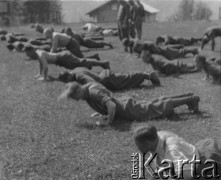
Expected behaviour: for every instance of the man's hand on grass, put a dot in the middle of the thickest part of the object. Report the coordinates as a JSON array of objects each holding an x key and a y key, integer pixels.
[
  {"x": 102, "y": 123},
  {"x": 38, "y": 75},
  {"x": 43, "y": 79}
]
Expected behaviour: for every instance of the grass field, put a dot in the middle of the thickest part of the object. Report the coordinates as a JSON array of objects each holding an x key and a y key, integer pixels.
[{"x": 41, "y": 139}]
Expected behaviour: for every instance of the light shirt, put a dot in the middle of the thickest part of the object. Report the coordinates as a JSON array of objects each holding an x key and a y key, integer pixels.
[
  {"x": 174, "y": 148},
  {"x": 59, "y": 40},
  {"x": 90, "y": 27}
]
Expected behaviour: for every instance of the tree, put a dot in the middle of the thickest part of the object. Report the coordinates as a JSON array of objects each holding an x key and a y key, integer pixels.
[
  {"x": 185, "y": 10},
  {"x": 189, "y": 10},
  {"x": 42, "y": 11},
  {"x": 202, "y": 11}
]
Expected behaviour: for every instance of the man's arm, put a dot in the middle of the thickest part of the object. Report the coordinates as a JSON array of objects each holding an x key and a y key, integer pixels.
[
  {"x": 111, "y": 108},
  {"x": 54, "y": 44},
  {"x": 40, "y": 70},
  {"x": 43, "y": 66}
]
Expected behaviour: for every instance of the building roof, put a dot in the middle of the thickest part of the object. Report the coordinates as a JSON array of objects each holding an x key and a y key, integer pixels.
[{"x": 147, "y": 7}]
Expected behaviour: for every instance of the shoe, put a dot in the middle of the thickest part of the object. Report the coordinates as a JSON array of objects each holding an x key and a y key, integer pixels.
[
  {"x": 154, "y": 78},
  {"x": 195, "y": 51},
  {"x": 111, "y": 46},
  {"x": 96, "y": 56},
  {"x": 194, "y": 104},
  {"x": 107, "y": 65}
]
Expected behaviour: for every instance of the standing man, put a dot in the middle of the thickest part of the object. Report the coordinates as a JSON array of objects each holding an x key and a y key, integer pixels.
[
  {"x": 132, "y": 32},
  {"x": 139, "y": 18},
  {"x": 123, "y": 19}
]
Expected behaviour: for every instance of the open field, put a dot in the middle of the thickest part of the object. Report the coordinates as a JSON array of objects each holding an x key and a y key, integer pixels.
[{"x": 41, "y": 139}]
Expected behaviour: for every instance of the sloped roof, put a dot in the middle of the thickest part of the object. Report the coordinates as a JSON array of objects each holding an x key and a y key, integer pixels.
[
  {"x": 100, "y": 6},
  {"x": 147, "y": 7}
]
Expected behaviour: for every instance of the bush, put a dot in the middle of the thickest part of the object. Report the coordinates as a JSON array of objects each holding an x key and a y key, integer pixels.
[
  {"x": 202, "y": 11},
  {"x": 189, "y": 10}
]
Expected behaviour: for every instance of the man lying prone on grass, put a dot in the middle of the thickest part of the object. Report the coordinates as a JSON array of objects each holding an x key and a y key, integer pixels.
[
  {"x": 64, "y": 59},
  {"x": 112, "y": 81},
  {"x": 101, "y": 100}
]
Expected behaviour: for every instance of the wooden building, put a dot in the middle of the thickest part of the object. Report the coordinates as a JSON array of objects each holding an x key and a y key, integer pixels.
[{"x": 107, "y": 12}]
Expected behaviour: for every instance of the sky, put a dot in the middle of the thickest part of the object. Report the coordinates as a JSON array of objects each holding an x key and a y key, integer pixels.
[{"x": 75, "y": 10}]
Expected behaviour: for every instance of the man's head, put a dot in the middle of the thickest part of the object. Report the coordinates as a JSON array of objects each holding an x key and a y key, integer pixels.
[
  {"x": 200, "y": 61},
  {"x": 65, "y": 77},
  {"x": 73, "y": 91},
  {"x": 145, "y": 54},
  {"x": 159, "y": 40},
  {"x": 30, "y": 52},
  {"x": 68, "y": 31},
  {"x": 48, "y": 33},
  {"x": 19, "y": 46},
  {"x": 10, "y": 47},
  {"x": 39, "y": 28},
  {"x": 205, "y": 40},
  {"x": 146, "y": 138},
  {"x": 3, "y": 38}
]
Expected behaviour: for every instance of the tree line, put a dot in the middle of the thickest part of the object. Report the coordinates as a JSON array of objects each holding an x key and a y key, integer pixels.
[{"x": 191, "y": 10}]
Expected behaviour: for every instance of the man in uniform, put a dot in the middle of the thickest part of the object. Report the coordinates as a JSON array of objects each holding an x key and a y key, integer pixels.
[
  {"x": 112, "y": 81},
  {"x": 139, "y": 18},
  {"x": 123, "y": 19},
  {"x": 166, "y": 39},
  {"x": 167, "y": 52},
  {"x": 64, "y": 59},
  {"x": 167, "y": 67},
  {"x": 101, "y": 100}
]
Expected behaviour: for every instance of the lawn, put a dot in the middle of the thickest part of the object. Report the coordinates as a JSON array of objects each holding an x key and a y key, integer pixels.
[{"x": 41, "y": 139}]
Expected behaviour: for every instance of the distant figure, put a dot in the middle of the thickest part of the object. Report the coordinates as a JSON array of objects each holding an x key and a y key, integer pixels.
[
  {"x": 139, "y": 18},
  {"x": 123, "y": 19},
  {"x": 132, "y": 19},
  {"x": 91, "y": 28},
  {"x": 166, "y": 39},
  {"x": 209, "y": 35},
  {"x": 167, "y": 52},
  {"x": 38, "y": 28}
]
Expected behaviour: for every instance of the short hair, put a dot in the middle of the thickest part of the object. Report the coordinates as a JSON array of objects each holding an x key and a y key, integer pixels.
[
  {"x": 125, "y": 41},
  {"x": 47, "y": 32},
  {"x": 144, "y": 133},
  {"x": 28, "y": 48},
  {"x": 64, "y": 76},
  {"x": 200, "y": 60},
  {"x": 159, "y": 39},
  {"x": 10, "y": 47},
  {"x": 72, "y": 88}
]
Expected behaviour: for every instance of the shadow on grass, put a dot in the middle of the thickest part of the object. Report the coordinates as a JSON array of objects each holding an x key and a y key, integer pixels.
[
  {"x": 200, "y": 115},
  {"x": 141, "y": 87},
  {"x": 97, "y": 49},
  {"x": 119, "y": 125}
]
